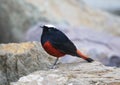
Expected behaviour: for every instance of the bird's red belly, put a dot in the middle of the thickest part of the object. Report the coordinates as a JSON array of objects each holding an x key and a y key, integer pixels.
[{"x": 51, "y": 50}]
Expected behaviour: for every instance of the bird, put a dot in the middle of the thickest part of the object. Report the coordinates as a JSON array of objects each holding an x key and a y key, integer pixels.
[{"x": 57, "y": 44}]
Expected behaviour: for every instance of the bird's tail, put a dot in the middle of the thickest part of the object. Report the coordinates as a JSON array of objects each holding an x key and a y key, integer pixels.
[{"x": 84, "y": 57}]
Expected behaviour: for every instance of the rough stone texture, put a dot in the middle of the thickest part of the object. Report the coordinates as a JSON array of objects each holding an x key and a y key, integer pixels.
[
  {"x": 100, "y": 46},
  {"x": 74, "y": 74},
  {"x": 20, "y": 59},
  {"x": 17, "y": 60}
]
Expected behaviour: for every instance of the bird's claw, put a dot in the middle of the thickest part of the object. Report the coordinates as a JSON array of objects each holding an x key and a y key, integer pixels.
[{"x": 53, "y": 67}]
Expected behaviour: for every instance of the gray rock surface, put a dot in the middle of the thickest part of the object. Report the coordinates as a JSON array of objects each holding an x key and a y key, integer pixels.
[
  {"x": 17, "y": 60},
  {"x": 74, "y": 74},
  {"x": 21, "y": 59}
]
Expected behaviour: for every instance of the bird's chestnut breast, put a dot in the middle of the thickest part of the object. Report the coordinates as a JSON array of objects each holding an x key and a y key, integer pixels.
[{"x": 51, "y": 50}]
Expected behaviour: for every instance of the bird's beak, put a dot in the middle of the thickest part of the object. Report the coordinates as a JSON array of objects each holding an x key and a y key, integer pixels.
[{"x": 41, "y": 26}]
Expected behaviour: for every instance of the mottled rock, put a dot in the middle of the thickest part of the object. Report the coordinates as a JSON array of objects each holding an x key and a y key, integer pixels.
[
  {"x": 21, "y": 59},
  {"x": 17, "y": 60},
  {"x": 74, "y": 74}
]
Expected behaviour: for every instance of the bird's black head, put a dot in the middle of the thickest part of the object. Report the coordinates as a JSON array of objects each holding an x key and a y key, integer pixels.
[{"x": 48, "y": 28}]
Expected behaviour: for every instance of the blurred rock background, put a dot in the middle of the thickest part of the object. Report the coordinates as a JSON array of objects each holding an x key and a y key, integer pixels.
[
  {"x": 112, "y": 6},
  {"x": 95, "y": 31}
]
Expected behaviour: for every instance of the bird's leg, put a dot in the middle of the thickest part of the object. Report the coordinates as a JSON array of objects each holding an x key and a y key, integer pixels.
[{"x": 53, "y": 66}]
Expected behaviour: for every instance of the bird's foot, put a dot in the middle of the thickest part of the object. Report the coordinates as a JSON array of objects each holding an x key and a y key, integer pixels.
[{"x": 53, "y": 67}]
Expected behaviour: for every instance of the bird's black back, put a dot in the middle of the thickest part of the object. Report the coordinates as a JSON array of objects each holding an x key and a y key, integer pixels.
[{"x": 58, "y": 40}]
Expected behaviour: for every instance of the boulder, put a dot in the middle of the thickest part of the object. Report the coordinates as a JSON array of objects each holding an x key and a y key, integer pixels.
[
  {"x": 73, "y": 74},
  {"x": 21, "y": 59},
  {"x": 17, "y": 60}
]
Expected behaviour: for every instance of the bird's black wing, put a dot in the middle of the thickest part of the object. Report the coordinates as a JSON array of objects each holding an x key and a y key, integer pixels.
[{"x": 61, "y": 42}]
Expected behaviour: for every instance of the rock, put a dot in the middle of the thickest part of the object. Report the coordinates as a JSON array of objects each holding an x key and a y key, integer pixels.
[
  {"x": 17, "y": 60},
  {"x": 21, "y": 59},
  {"x": 73, "y": 74},
  {"x": 100, "y": 46}
]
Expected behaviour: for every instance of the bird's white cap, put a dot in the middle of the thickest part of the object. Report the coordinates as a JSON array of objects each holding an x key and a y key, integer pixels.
[{"x": 49, "y": 25}]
